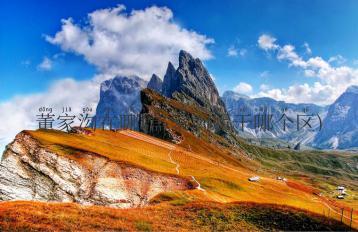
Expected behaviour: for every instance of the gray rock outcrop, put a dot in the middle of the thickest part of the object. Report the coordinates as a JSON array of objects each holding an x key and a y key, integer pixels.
[
  {"x": 29, "y": 171},
  {"x": 155, "y": 83}
]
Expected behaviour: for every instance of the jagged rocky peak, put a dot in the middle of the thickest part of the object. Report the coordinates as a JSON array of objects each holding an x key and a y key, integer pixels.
[
  {"x": 191, "y": 84},
  {"x": 122, "y": 84},
  {"x": 170, "y": 81},
  {"x": 352, "y": 89},
  {"x": 198, "y": 106},
  {"x": 155, "y": 83},
  {"x": 232, "y": 95},
  {"x": 196, "y": 81},
  {"x": 340, "y": 126},
  {"x": 120, "y": 95}
]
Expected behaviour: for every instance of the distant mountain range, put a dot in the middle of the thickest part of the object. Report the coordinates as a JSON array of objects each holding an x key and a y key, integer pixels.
[
  {"x": 338, "y": 122},
  {"x": 283, "y": 124},
  {"x": 340, "y": 129}
]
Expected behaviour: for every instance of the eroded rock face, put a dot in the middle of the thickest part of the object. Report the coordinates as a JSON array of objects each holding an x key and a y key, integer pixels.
[
  {"x": 155, "y": 83},
  {"x": 31, "y": 172},
  {"x": 189, "y": 99},
  {"x": 118, "y": 96}
]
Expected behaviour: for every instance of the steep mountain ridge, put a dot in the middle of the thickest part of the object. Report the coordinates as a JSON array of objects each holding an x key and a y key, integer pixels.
[
  {"x": 341, "y": 123},
  {"x": 238, "y": 105},
  {"x": 118, "y": 96},
  {"x": 155, "y": 83},
  {"x": 191, "y": 101}
]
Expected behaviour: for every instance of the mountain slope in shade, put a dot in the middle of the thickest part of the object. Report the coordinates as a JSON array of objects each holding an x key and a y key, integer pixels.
[
  {"x": 238, "y": 105},
  {"x": 155, "y": 83},
  {"x": 119, "y": 96},
  {"x": 190, "y": 99},
  {"x": 340, "y": 129},
  {"x": 191, "y": 83}
]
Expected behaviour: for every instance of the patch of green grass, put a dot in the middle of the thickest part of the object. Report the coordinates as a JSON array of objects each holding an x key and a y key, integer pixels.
[
  {"x": 217, "y": 184},
  {"x": 180, "y": 201},
  {"x": 175, "y": 199},
  {"x": 143, "y": 226}
]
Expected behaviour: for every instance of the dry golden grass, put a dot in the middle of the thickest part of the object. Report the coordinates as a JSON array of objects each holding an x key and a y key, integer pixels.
[
  {"x": 196, "y": 216},
  {"x": 224, "y": 177}
]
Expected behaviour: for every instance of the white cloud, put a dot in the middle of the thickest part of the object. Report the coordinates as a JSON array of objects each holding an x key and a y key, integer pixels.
[
  {"x": 264, "y": 87},
  {"x": 140, "y": 42},
  {"x": 45, "y": 65},
  {"x": 243, "y": 88},
  {"x": 331, "y": 82},
  {"x": 307, "y": 48},
  {"x": 232, "y": 52},
  {"x": 288, "y": 52},
  {"x": 20, "y": 112},
  {"x": 267, "y": 42}
]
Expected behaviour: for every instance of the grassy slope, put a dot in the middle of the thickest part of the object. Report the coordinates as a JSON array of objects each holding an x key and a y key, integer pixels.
[
  {"x": 223, "y": 177},
  {"x": 203, "y": 216},
  {"x": 321, "y": 170}
]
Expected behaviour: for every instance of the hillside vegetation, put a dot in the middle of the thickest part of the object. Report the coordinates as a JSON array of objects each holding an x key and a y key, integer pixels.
[
  {"x": 204, "y": 216},
  {"x": 219, "y": 174}
]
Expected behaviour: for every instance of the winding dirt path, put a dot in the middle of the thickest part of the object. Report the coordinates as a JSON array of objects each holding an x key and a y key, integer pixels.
[{"x": 173, "y": 147}]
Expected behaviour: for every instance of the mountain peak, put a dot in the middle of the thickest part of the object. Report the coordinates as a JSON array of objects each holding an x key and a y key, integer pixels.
[
  {"x": 234, "y": 95},
  {"x": 170, "y": 81},
  {"x": 184, "y": 57},
  {"x": 191, "y": 84},
  {"x": 352, "y": 89},
  {"x": 155, "y": 83},
  {"x": 120, "y": 95}
]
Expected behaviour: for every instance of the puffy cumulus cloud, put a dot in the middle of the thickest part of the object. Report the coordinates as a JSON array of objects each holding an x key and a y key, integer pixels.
[
  {"x": 332, "y": 80},
  {"x": 141, "y": 43},
  {"x": 288, "y": 52},
  {"x": 20, "y": 112},
  {"x": 264, "y": 87},
  {"x": 45, "y": 65},
  {"x": 243, "y": 88},
  {"x": 137, "y": 43},
  {"x": 267, "y": 42},
  {"x": 299, "y": 93}
]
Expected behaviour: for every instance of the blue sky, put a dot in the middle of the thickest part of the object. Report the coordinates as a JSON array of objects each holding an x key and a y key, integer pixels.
[
  {"x": 56, "y": 53},
  {"x": 328, "y": 27}
]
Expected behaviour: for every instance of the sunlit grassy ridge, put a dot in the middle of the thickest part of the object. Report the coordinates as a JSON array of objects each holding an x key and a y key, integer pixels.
[
  {"x": 222, "y": 173},
  {"x": 203, "y": 216}
]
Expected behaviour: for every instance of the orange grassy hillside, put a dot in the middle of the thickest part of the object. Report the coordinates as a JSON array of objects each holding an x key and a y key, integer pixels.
[
  {"x": 206, "y": 216},
  {"x": 217, "y": 175}
]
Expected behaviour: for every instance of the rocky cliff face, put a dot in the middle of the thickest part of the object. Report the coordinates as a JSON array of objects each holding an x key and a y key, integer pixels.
[
  {"x": 340, "y": 127},
  {"x": 155, "y": 83},
  {"x": 191, "y": 84},
  {"x": 238, "y": 105},
  {"x": 191, "y": 100},
  {"x": 29, "y": 171},
  {"x": 119, "y": 96}
]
